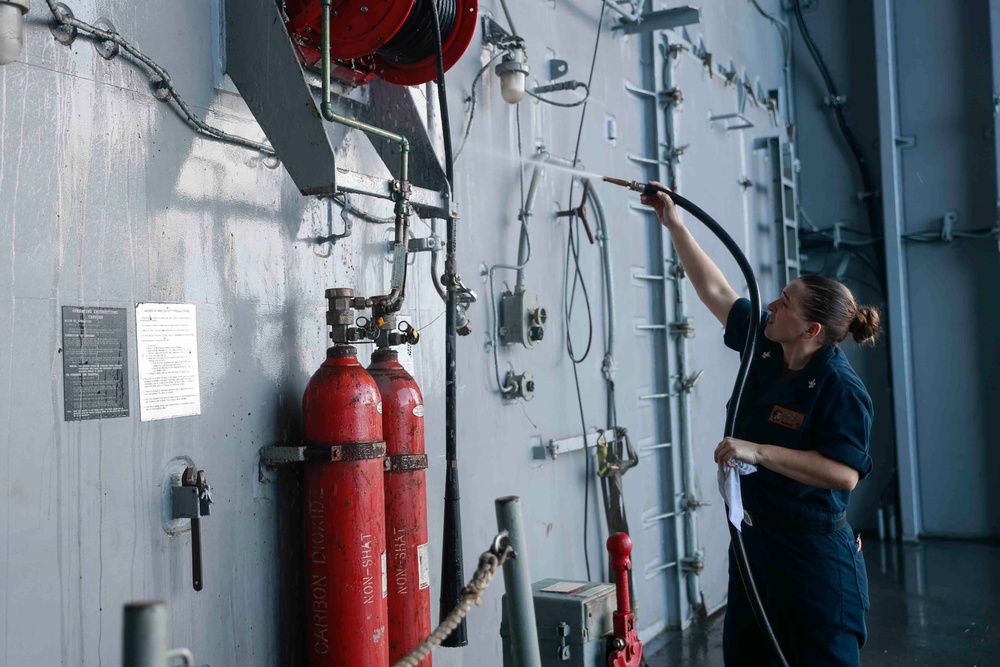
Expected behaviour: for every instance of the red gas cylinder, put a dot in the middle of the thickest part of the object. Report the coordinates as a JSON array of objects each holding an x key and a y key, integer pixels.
[
  {"x": 346, "y": 584},
  {"x": 405, "y": 505}
]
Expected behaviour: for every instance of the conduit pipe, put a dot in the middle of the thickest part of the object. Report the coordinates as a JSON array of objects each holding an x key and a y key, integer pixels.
[
  {"x": 693, "y": 559},
  {"x": 523, "y": 246},
  {"x": 393, "y": 301},
  {"x": 523, "y": 255}
]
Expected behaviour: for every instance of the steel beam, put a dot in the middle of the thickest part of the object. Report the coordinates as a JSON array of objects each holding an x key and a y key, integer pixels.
[
  {"x": 263, "y": 64},
  {"x": 897, "y": 293}
]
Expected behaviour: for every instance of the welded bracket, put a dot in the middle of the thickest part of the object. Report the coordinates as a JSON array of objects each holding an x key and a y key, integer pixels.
[
  {"x": 663, "y": 19},
  {"x": 732, "y": 121},
  {"x": 262, "y": 62},
  {"x": 277, "y": 455},
  {"x": 425, "y": 203},
  {"x": 394, "y": 109}
]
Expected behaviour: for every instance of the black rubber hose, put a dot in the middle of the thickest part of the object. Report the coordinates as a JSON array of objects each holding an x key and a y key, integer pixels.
[
  {"x": 452, "y": 570},
  {"x": 749, "y": 348},
  {"x": 416, "y": 39}
]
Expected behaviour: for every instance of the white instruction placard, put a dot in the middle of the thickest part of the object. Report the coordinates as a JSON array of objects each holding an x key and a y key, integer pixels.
[
  {"x": 167, "y": 347},
  {"x": 424, "y": 565}
]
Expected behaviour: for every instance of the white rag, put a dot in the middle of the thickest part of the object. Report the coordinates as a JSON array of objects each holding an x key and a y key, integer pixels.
[{"x": 729, "y": 487}]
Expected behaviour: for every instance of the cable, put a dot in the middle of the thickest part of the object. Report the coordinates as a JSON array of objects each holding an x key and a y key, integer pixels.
[
  {"x": 415, "y": 41},
  {"x": 569, "y": 343},
  {"x": 981, "y": 234},
  {"x": 343, "y": 202},
  {"x": 503, "y": 387},
  {"x": 566, "y": 105},
  {"x": 573, "y": 250},
  {"x": 786, "y": 33},
  {"x": 472, "y": 102},
  {"x": 158, "y": 77},
  {"x": 452, "y": 568},
  {"x": 836, "y": 102}
]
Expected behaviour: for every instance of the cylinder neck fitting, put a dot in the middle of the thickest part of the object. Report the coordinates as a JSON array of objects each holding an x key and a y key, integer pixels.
[
  {"x": 341, "y": 315},
  {"x": 385, "y": 354}
]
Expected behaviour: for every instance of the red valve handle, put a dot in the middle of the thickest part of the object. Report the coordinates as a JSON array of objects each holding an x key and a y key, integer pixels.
[{"x": 627, "y": 651}]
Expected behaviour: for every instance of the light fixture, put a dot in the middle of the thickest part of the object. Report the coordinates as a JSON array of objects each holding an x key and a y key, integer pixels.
[
  {"x": 512, "y": 71},
  {"x": 12, "y": 28}
]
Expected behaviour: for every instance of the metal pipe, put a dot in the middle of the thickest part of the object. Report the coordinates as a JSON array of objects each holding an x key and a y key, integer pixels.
[
  {"x": 524, "y": 243},
  {"x": 692, "y": 552},
  {"x": 628, "y": 16},
  {"x": 897, "y": 291},
  {"x": 145, "y": 635},
  {"x": 392, "y": 301},
  {"x": 433, "y": 119},
  {"x": 517, "y": 582},
  {"x": 523, "y": 256},
  {"x": 435, "y": 253},
  {"x": 510, "y": 21}
]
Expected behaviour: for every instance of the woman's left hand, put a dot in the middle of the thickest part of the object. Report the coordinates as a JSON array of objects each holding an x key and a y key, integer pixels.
[{"x": 732, "y": 448}]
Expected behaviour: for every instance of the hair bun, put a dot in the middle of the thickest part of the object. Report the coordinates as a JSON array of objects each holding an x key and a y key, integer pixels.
[{"x": 865, "y": 326}]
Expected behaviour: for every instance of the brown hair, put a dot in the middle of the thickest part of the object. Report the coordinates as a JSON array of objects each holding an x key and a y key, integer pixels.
[{"x": 831, "y": 304}]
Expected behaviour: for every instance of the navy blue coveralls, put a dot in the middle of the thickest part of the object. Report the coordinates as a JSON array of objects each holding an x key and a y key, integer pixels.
[{"x": 803, "y": 554}]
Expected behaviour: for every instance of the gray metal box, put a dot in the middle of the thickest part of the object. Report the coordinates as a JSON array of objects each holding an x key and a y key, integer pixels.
[{"x": 573, "y": 618}]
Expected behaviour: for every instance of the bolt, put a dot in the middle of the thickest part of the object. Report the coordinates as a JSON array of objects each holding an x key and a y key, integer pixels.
[
  {"x": 364, "y": 10},
  {"x": 529, "y": 386},
  {"x": 536, "y": 333}
]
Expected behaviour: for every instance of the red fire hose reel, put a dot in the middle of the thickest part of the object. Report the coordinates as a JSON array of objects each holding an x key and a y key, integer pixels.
[{"x": 391, "y": 39}]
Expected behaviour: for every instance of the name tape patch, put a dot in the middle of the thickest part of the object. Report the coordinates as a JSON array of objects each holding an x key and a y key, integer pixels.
[{"x": 787, "y": 418}]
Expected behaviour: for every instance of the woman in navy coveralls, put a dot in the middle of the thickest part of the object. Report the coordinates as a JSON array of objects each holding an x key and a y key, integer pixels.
[{"x": 804, "y": 422}]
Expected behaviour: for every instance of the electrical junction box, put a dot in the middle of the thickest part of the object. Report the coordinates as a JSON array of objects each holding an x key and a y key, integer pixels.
[
  {"x": 522, "y": 320},
  {"x": 574, "y": 620}
]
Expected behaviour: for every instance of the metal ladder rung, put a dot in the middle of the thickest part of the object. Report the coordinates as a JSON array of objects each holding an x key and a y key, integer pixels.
[
  {"x": 640, "y": 92},
  {"x": 648, "y": 522},
  {"x": 652, "y": 571},
  {"x": 646, "y": 160},
  {"x": 650, "y": 448},
  {"x": 654, "y": 397}
]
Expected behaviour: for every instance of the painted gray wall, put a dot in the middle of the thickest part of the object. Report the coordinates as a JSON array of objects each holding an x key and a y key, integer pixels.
[
  {"x": 828, "y": 185},
  {"x": 946, "y": 104},
  {"x": 108, "y": 198}
]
